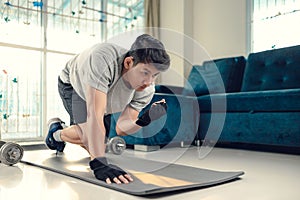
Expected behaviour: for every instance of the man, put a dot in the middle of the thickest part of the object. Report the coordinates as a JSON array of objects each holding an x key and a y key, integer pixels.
[{"x": 102, "y": 80}]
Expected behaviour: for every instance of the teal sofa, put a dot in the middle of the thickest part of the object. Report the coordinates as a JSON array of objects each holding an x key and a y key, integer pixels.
[{"x": 251, "y": 102}]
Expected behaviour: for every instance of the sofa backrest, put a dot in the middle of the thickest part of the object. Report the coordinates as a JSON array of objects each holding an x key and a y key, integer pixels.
[
  {"x": 272, "y": 69},
  {"x": 200, "y": 77}
]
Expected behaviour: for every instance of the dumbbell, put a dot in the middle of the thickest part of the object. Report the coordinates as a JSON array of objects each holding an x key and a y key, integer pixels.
[
  {"x": 116, "y": 145},
  {"x": 10, "y": 153}
]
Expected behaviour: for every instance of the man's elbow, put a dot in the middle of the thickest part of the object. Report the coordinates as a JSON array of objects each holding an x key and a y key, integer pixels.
[{"x": 120, "y": 132}]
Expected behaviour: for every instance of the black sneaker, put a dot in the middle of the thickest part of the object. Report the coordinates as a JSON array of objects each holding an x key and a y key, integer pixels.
[{"x": 54, "y": 124}]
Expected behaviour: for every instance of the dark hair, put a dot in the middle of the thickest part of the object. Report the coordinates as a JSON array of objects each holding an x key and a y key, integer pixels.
[{"x": 146, "y": 49}]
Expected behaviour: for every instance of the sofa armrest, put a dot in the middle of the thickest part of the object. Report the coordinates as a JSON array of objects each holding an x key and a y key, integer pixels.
[
  {"x": 180, "y": 124},
  {"x": 168, "y": 89}
]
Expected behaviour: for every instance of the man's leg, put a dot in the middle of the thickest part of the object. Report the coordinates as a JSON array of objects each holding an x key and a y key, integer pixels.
[
  {"x": 74, "y": 135},
  {"x": 65, "y": 91},
  {"x": 58, "y": 133},
  {"x": 71, "y": 135},
  {"x": 76, "y": 107}
]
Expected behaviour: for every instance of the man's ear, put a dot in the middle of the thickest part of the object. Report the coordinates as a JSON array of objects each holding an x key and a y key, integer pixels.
[{"x": 128, "y": 62}]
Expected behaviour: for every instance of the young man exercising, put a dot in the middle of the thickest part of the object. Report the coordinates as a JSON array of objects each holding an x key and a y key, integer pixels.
[{"x": 102, "y": 80}]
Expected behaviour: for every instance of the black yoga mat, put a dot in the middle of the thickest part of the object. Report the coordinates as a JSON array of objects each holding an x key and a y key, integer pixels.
[{"x": 150, "y": 177}]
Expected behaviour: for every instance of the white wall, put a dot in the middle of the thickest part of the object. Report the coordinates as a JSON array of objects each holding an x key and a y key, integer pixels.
[
  {"x": 172, "y": 19},
  {"x": 218, "y": 25}
]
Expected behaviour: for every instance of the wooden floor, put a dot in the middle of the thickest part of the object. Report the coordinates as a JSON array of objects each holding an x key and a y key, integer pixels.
[{"x": 268, "y": 176}]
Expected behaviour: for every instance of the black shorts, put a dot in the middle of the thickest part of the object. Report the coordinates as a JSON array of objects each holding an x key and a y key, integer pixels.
[{"x": 75, "y": 105}]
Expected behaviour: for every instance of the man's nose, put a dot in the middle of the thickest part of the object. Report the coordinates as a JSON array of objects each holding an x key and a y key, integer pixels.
[{"x": 148, "y": 81}]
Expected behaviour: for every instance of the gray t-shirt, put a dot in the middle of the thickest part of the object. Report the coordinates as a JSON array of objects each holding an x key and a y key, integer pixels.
[{"x": 101, "y": 68}]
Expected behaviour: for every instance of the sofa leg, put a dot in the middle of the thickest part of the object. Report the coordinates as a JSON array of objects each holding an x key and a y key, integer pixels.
[{"x": 197, "y": 143}]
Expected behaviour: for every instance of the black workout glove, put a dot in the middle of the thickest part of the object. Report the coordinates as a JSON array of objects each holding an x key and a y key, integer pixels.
[
  {"x": 103, "y": 170},
  {"x": 157, "y": 110}
]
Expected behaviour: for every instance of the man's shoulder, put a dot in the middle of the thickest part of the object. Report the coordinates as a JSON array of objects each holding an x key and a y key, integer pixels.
[{"x": 110, "y": 48}]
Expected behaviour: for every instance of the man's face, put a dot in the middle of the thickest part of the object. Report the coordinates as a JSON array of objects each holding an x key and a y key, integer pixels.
[{"x": 140, "y": 76}]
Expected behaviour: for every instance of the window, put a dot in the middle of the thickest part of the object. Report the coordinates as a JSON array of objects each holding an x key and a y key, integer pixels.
[
  {"x": 19, "y": 93},
  {"x": 36, "y": 40},
  {"x": 275, "y": 24}
]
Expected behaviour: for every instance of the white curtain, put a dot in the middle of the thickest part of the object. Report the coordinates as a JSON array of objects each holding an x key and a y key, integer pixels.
[{"x": 152, "y": 17}]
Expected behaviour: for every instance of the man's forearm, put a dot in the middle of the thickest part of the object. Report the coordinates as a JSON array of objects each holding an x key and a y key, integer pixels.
[
  {"x": 126, "y": 123},
  {"x": 96, "y": 138},
  {"x": 95, "y": 130}
]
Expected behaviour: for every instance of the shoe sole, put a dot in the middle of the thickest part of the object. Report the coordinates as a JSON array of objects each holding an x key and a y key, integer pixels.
[{"x": 53, "y": 120}]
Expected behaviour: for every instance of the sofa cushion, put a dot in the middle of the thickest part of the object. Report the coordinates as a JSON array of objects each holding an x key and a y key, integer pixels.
[
  {"x": 206, "y": 79},
  {"x": 272, "y": 69},
  {"x": 286, "y": 100}
]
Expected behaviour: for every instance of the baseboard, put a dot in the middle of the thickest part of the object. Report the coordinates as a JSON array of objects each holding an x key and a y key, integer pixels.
[{"x": 260, "y": 147}]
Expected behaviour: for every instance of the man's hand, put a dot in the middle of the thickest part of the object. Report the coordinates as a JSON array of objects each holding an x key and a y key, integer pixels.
[
  {"x": 108, "y": 172},
  {"x": 157, "y": 110}
]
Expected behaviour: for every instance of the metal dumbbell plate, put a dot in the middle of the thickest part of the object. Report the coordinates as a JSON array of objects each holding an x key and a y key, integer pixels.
[
  {"x": 11, "y": 153},
  {"x": 117, "y": 145}
]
